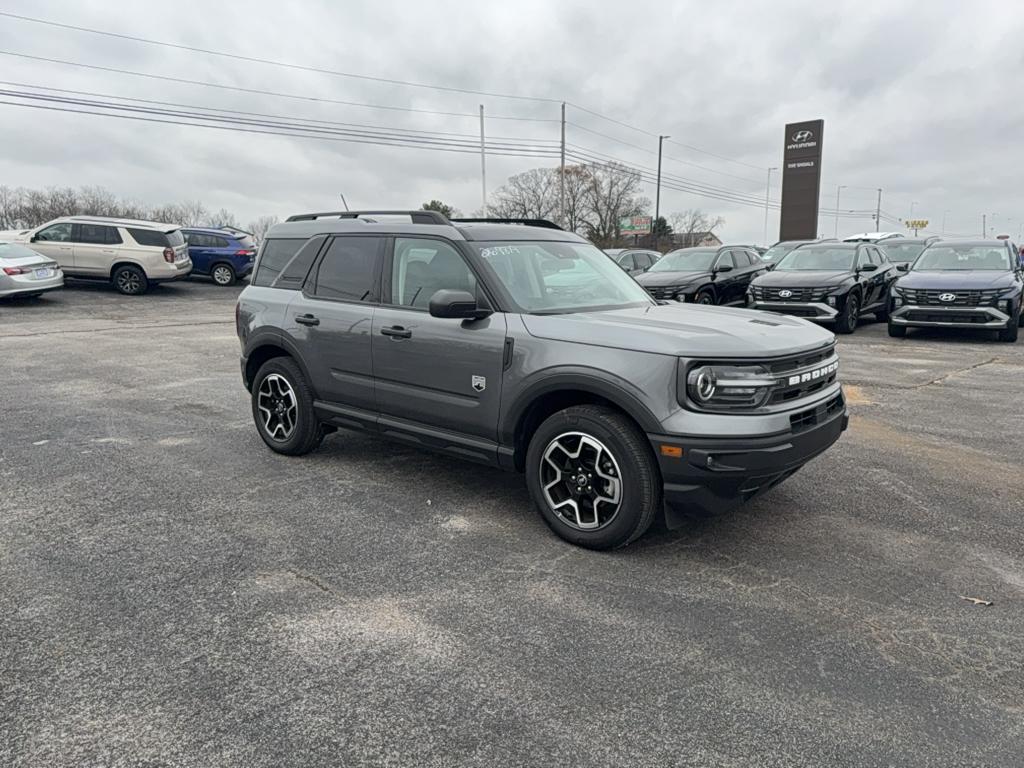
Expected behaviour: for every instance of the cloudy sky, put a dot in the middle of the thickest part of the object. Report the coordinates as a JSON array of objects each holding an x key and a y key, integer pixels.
[{"x": 921, "y": 99}]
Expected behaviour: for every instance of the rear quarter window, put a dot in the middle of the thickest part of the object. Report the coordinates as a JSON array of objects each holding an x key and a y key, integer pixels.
[
  {"x": 155, "y": 238},
  {"x": 274, "y": 254}
]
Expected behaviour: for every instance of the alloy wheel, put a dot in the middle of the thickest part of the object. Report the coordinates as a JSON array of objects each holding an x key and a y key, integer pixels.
[
  {"x": 128, "y": 281},
  {"x": 222, "y": 275},
  {"x": 278, "y": 407},
  {"x": 581, "y": 481}
]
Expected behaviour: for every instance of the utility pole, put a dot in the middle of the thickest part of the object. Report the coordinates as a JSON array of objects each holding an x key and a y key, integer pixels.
[
  {"x": 878, "y": 212},
  {"x": 483, "y": 162},
  {"x": 767, "y": 190},
  {"x": 984, "y": 227},
  {"x": 657, "y": 198},
  {"x": 561, "y": 175},
  {"x": 838, "y": 190}
]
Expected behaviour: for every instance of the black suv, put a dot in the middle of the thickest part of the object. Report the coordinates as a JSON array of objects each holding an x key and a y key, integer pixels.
[
  {"x": 527, "y": 348},
  {"x": 828, "y": 282},
  {"x": 635, "y": 261},
  {"x": 961, "y": 284},
  {"x": 704, "y": 275}
]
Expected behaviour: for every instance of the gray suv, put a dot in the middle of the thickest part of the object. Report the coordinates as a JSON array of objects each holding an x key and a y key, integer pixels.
[{"x": 525, "y": 347}]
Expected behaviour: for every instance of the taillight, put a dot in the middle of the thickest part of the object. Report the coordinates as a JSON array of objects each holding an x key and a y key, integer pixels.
[
  {"x": 169, "y": 255},
  {"x": 245, "y": 252},
  {"x": 15, "y": 271}
]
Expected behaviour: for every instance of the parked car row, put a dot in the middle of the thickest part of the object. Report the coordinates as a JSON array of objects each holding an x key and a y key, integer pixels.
[
  {"x": 131, "y": 254},
  {"x": 906, "y": 282}
]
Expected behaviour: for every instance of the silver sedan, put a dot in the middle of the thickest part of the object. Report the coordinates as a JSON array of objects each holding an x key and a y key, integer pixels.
[{"x": 23, "y": 272}]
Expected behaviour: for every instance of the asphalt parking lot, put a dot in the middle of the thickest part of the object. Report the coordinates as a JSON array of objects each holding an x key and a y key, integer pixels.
[{"x": 173, "y": 593}]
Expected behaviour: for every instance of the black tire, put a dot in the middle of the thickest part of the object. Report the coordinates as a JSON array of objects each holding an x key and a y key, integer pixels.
[
  {"x": 130, "y": 280},
  {"x": 897, "y": 331},
  {"x": 1010, "y": 332},
  {"x": 628, "y": 449},
  {"x": 704, "y": 296},
  {"x": 1020, "y": 320},
  {"x": 846, "y": 321},
  {"x": 306, "y": 431},
  {"x": 223, "y": 274}
]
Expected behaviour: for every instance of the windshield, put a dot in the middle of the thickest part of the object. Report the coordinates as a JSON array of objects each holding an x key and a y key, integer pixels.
[
  {"x": 777, "y": 251},
  {"x": 903, "y": 251},
  {"x": 687, "y": 260},
  {"x": 959, "y": 258},
  {"x": 555, "y": 277},
  {"x": 822, "y": 259}
]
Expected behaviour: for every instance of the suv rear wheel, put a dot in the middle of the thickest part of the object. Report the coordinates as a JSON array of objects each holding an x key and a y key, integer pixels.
[
  {"x": 282, "y": 407},
  {"x": 593, "y": 478},
  {"x": 223, "y": 274},
  {"x": 130, "y": 280}
]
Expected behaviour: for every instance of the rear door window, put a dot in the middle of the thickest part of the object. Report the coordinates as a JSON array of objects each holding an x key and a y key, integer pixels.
[
  {"x": 276, "y": 252},
  {"x": 350, "y": 269},
  {"x": 96, "y": 234}
]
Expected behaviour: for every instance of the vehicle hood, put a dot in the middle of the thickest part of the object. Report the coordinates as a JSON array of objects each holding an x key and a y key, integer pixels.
[
  {"x": 684, "y": 330},
  {"x": 14, "y": 235},
  {"x": 659, "y": 279},
  {"x": 802, "y": 279},
  {"x": 953, "y": 279}
]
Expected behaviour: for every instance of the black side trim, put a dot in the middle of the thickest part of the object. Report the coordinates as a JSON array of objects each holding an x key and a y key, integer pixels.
[{"x": 506, "y": 360}]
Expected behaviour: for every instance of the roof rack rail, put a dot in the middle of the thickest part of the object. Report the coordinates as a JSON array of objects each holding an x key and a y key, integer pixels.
[
  {"x": 525, "y": 222},
  {"x": 417, "y": 217}
]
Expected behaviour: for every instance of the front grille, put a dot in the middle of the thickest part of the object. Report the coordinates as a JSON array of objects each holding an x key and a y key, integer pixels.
[
  {"x": 812, "y": 417},
  {"x": 663, "y": 292},
  {"x": 926, "y": 316},
  {"x": 923, "y": 298},
  {"x": 762, "y": 293},
  {"x": 803, "y": 360},
  {"x": 801, "y": 389}
]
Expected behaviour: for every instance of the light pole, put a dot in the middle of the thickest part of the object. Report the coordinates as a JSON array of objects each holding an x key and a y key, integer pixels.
[
  {"x": 767, "y": 191},
  {"x": 878, "y": 211},
  {"x": 838, "y": 190},
  {"x": 657, "y": 198},
  {"x": 344, "y": 202}
]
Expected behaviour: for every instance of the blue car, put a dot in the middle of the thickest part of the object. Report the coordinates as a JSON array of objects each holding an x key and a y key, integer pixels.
[{"x": 224, "y": 255}]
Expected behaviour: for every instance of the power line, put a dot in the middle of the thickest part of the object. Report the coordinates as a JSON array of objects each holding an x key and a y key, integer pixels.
[
  {"x": 285, "y": 64},
  {"x": 240, "y": 89},
  {"x": 469, "y": 149},
  {"x": 666, "y": 157},
  {"x": 372, "y": 78},
  {"x": 473, "y": 136}
]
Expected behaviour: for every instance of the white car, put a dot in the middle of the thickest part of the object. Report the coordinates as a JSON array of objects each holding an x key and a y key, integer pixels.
[
  {"x": 871, "y": 237},
  {"x": 130, "y": 254},
  {"x": 25, "y": 273}
]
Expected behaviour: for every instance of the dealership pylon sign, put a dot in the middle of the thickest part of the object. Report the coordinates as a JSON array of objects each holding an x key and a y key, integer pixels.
[{"x": 801, "y": 180}]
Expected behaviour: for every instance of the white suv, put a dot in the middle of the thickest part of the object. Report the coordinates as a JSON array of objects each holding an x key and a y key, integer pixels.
[{"x": 130, "y": 254}]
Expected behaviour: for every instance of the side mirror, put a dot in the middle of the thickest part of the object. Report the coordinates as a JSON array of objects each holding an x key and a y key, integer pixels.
[
  {"x": 724, "y": 268},
  {"x": 457, "y": 304},
  {"x": 867, "y": 268},
  {"x": 770, "y": 266},
  {"x": 33, "y": 238},
  {"x": 903, "y": 267}
]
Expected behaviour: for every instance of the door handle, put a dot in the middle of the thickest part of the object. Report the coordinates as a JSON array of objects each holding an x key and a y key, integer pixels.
[
  {"x": 396, "y": 332},
  {"x": 307, "y": 320}
]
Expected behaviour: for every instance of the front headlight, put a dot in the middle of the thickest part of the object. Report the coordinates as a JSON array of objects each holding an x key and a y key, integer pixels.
[{"x": 727, "y": 387}]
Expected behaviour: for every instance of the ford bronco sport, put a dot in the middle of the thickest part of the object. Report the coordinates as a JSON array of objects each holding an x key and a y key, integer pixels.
[{"x": 465, "y": 337}]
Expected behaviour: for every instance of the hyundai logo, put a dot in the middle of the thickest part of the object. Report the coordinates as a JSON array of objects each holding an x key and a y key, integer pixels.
[
  {"x": 801, "y": 136},
  {"x": 947, "y": 297},
  {"x": 785, "y": 294}
]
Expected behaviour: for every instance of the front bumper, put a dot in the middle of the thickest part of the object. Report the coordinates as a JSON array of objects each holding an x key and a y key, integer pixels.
[
  {"x": 949, "y": 317},
  {"x": 714, "y": 475},
  {"x": 810, "y": 310}
]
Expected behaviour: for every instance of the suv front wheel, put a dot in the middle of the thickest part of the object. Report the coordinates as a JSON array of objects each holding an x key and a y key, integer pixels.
[
  {"x": 282, "y": 407},
  {"x": 593, "y": 478}
]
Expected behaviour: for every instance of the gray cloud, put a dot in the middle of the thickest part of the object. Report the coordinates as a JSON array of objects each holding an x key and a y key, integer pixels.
[{"x": 921, "y": 102}]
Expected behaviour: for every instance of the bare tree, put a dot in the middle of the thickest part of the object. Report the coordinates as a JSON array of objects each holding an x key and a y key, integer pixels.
[
  {"x": 529, "y": 195},
  {"x": 222, "y": 218},
  {"x": 260, "y": 227},
  {"x": 578, "y": 180},
  {"x": 689, "y": 225},
  {"x": 614, "y": 195}
]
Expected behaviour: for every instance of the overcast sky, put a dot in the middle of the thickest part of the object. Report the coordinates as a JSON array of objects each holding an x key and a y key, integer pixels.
[{"x": 921, "y": 99}]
